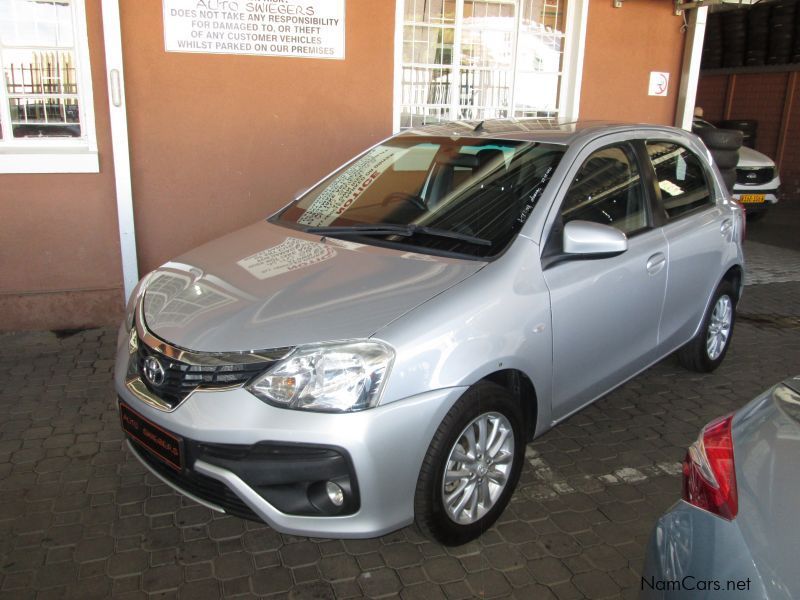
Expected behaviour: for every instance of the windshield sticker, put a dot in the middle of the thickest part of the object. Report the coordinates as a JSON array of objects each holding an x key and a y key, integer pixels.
[
  {"x": 533, "y": 198},
  {"x": 348, "y": 187},
  {"x": 290, "y": 255}
]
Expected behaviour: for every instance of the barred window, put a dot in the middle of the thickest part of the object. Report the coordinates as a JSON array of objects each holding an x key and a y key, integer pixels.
[
  {"x": 480, "y": 59},
  {"x": 44, "y": 65}
]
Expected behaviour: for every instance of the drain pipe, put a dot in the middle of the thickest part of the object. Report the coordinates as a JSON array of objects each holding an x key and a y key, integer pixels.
[
  {"x": 112, "y": 35},
  {"x": 690, "y": 70}
]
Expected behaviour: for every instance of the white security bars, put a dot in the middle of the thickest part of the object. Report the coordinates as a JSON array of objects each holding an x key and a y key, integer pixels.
[
  {"x": 480, "y": 59},
  {"x": 45, "y": 92}
]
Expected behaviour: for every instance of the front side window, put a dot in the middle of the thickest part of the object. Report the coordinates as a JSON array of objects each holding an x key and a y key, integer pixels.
[
  {"x": 436, "y": 194},
  {"x": 681, "y": 178},
  {"x": 608, "y": 190},
  {"x": 44, "y": 65}
]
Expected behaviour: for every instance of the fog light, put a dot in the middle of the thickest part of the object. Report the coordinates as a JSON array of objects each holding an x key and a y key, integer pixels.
[{"x": 335, "y": 493}]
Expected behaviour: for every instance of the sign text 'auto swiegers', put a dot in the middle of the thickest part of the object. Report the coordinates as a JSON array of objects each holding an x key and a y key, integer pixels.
[{"x": 296, "y": 28}]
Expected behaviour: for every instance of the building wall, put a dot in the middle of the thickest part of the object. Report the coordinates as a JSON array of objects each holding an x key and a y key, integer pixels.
[
  {"x": 220, "y": 141},
  {"x": 622, "y": 46},
  {"x": 59, "y": 249}
]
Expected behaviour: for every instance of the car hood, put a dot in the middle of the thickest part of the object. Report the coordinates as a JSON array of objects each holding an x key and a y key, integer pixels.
[
  {"x": 752, "y": 158},
  {"x": 266, "y": 286}
]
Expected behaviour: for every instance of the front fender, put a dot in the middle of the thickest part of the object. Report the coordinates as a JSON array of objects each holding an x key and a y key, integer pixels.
[{"x": 495, "y": 320}]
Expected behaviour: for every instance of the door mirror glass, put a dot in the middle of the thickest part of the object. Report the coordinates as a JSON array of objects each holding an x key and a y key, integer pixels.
[{"x": 593, "y": 239}]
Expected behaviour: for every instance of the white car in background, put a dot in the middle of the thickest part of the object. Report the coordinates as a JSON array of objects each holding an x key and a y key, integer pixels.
[{"x": 757, "y": 179}]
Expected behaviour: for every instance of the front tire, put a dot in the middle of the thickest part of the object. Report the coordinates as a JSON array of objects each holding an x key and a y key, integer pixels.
[
  {"x": 707, "y": 349},
  {"x": 472, "y": 466}
]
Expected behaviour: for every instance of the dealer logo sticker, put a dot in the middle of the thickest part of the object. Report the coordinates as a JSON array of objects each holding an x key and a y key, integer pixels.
[{"x": 153, "y": 371}]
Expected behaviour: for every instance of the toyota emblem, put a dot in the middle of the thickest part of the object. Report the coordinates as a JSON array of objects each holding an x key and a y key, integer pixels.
[{"x": 153, "y": 371}]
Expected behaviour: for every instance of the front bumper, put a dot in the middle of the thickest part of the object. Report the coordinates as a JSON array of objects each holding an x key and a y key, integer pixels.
[
  {"x": 383, "y": 447},
  {"x": 769, "y": 190}
]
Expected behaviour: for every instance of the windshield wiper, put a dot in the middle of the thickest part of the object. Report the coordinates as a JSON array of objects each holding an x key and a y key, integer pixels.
[{"x": 393, "y": 229}]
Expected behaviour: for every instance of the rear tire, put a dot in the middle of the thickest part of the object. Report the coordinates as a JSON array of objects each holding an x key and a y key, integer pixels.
[
  {"x": 708, "y": 348},
  {"x": 457, "y": 472}
]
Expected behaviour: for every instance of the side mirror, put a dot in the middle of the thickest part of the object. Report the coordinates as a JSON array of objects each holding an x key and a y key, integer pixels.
[{"x": 593, "y": 239}]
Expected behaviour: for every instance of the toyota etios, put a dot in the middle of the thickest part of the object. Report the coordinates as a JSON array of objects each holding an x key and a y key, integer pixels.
[{"x": 379, "y": 351}]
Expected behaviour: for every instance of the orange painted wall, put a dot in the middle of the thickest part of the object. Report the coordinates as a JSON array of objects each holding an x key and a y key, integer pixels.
[
  {"x": 622, "y": 46},
  {"x": 60, "y": 265},
  {"x": 220, "y": 141}
]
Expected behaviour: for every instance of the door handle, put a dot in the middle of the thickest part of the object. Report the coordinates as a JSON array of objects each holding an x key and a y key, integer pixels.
[
  {"x": 725, "y": 227},
  {"x": 656, "y": 262}
]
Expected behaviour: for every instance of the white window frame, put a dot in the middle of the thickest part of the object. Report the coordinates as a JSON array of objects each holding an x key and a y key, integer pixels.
[
  {"x": 571, "y": 71},
  {"x": 57, "y": 155}
]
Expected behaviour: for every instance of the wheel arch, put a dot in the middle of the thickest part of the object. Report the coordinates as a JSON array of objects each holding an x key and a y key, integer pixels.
[
  {"x": 520, "y": 386},
  {"x": 735, "y": 276}
]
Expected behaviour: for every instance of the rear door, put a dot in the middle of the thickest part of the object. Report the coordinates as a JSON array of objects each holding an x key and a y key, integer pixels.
[
  {"x": 696, "y": 230},
  {"x": 605, "y": 311}
]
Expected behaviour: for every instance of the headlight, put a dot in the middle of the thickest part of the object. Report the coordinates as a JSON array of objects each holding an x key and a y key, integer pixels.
[{"x": 341, "y": 377}]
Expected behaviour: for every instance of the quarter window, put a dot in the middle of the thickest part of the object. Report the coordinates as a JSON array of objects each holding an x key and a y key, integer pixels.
[
  {"x": 608, "y": 190},
  {"x": 681, "y": 178}
]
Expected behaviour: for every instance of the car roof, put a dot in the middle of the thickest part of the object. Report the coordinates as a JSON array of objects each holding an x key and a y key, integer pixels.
[{"x": 540, "y": 130}]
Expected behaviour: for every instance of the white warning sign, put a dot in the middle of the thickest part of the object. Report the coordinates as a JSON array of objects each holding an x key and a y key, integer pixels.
[{"x": 298, "y": 28}]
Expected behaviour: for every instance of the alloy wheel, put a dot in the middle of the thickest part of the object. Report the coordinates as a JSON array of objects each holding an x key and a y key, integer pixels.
[
  {"x": 478, "y": 468},
  {"x": 719, "y": 327}
]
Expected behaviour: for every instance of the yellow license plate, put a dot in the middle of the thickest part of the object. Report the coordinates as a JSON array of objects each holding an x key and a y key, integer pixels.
[{"x": 752, "y": 198}]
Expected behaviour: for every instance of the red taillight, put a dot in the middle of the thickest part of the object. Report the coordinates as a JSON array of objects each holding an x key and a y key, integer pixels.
[{"x": 709, "y": 474}]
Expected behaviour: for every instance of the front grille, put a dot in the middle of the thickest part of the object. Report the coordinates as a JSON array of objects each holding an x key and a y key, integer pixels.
[
  {"x": 754, "y": 176},
  {"x": 181, "y": 378},
  {"x": 198, "y": 485},
  {"x": 262, "y": 451}
]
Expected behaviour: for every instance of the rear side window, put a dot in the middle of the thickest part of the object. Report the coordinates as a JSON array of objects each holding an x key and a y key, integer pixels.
[
  {"x": 681, "y": 178},
  {"x": 608, "y": 190}
]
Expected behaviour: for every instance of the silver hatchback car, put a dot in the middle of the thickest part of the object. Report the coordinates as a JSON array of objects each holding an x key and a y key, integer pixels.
[{"x": 379, "y": 351}]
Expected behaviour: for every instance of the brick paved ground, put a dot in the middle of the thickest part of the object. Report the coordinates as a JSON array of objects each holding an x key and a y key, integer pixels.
[{"x": 80, "y": 518}]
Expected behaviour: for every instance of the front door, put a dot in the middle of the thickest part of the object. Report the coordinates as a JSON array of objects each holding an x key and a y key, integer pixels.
[{"x": 605, "y": 311}]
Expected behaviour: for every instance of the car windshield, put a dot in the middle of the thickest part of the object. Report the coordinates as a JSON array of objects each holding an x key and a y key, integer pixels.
[{"x": 439, "y": 195}]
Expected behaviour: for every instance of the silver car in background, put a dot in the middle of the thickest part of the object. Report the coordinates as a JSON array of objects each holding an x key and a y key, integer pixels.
[
  {"x": 735, "y": 532},
  {"x": 379, "y": 351}
]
